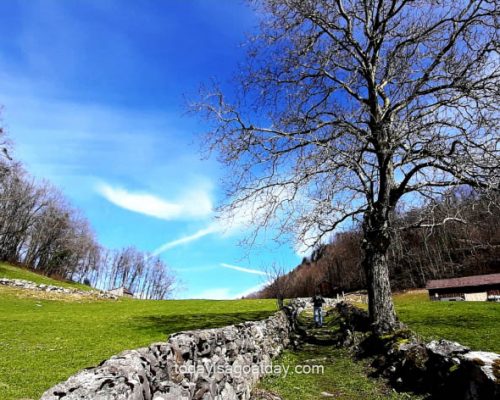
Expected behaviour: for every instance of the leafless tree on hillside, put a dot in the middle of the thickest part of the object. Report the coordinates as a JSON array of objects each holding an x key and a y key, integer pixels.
[
  {"x": 5, "y": 158},
  {"x": 279, "y": 283}
]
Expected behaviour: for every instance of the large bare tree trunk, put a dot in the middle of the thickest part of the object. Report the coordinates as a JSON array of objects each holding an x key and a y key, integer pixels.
[{"x": 376, "y": 243}]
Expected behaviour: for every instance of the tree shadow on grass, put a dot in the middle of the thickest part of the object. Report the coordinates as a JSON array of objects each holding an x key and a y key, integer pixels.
[{"x": 168, "y": 324}]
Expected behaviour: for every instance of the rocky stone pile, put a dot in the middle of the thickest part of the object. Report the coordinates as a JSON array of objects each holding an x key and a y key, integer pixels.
[
  {"x": 28, "y": 285},
  {"x": 445, "y": 368},
  {"x": 442, "y": 368},
  {"x": 301, "y": 303},
  {"x": 207, "y": 364}
]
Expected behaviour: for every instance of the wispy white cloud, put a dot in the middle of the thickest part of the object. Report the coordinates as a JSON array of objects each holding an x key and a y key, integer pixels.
[
  {"x": 220, "y": 226},
  {"x": 243, "y": 217},
  {"x": 194, "y": 204},
  {"x": 184, "y": 240},
  {"x": 242, "y": 269},
  {"x": 226, "y": 224}
]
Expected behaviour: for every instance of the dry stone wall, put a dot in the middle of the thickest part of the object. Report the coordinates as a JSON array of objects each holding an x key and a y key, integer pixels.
[
  {"x": 225, "y": 363},
  {"x": 209, "y": 364}
]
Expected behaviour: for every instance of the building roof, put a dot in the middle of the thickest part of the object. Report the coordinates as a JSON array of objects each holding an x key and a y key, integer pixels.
[
  {"x": 477, "y": 280},
  {"x": 125, "y": 290}
]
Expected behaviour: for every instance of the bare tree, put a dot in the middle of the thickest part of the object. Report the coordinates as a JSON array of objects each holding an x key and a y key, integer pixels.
[
  {"x": 40, "y": 229},
  {"x": 5, "y": 158},
  {"x": 348, "y": 108},
  {"x": 278, "y": 283}
]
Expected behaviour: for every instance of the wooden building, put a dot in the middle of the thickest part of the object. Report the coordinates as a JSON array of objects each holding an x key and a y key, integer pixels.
[{"x": 468, "y": 288}]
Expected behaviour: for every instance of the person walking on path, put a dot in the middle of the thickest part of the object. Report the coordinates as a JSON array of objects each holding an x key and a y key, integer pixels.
[{"x": 318, "y": 302}]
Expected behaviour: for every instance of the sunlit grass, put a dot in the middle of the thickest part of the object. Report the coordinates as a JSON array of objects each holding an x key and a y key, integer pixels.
[
  {"x": 43, "y": 342},
  {"x": 473, "y": 324}
]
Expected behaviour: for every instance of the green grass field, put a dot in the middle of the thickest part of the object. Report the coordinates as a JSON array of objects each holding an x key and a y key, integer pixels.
[
  {"x": 473, "y": 324},
  {"x": 43, "y": 340}
]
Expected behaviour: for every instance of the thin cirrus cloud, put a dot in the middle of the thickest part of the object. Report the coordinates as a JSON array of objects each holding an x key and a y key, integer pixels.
[
  {"x": 242, "y": 269},
  {"x": 195, "y": 204},
  {"x": 184, "y": 240},
  {"x": 227, "y": 223},
  {"x": 232, "y": 221},
  {"x": 226, "y": 293},
  {"x": 251, "y": 290}
]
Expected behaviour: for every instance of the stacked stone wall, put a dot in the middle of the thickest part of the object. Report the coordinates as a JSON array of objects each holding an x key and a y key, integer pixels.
[{"x": 218, "y": 364}]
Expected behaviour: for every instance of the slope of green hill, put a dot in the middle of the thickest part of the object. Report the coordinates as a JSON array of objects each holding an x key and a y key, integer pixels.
[{"x": 11, "y": 272}]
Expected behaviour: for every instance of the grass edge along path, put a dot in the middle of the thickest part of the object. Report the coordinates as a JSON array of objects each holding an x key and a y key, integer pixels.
[{"x": 341, "y": 377}]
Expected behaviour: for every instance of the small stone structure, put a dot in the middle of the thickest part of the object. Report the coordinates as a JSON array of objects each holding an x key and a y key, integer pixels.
[
  {"x": 121, "y": 291},
  {"x": 41, "y": 287}
]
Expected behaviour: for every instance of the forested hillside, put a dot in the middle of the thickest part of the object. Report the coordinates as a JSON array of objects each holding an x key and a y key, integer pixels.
[
  {"x": 40, "y": 229},
  {"x": 457, "y": 235}
]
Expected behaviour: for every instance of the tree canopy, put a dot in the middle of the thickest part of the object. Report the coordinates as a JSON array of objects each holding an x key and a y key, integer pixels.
[{"x": 344, "y": 108}]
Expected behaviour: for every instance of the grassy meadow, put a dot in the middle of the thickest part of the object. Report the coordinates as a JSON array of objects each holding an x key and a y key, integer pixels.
[
  {"x": 45, "y": 338},
  {"x": 473, "y": 324}
]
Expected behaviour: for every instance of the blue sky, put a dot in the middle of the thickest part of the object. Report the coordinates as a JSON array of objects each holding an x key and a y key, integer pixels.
[{"x": 93, "y": 96}]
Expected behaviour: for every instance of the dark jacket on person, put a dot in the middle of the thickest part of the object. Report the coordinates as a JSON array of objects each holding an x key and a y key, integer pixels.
[{"x": 318, "y": 301}]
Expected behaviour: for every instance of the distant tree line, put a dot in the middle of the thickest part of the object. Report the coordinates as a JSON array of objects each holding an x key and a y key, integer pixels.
[
  {"x": 40, "y": 229},
  {"x": 466, "y": 243}
]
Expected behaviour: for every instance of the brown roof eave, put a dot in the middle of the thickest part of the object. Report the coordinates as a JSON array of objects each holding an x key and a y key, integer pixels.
[{"x": 466, "y": 281}]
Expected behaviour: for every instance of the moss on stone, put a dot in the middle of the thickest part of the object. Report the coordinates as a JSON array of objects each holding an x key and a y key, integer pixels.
[{"x": 454, "y": 368}]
